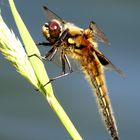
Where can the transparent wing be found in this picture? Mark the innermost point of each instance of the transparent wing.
(107, 63)
(98, 33)
(51, 15)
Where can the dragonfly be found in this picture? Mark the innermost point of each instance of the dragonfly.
(81, 45)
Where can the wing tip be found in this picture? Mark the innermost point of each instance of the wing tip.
(121, 72)
(110, 66)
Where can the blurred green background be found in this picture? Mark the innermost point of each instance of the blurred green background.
(25, 114)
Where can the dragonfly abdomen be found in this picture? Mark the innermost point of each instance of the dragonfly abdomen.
(95, 76)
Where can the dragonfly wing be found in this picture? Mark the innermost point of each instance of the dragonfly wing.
(107, 63)
(50, 15)
(98, 33)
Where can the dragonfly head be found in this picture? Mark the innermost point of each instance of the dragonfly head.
(52, 30)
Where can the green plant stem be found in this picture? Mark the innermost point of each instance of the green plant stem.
(41, 75)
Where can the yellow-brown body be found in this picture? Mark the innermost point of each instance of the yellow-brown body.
(94, 72)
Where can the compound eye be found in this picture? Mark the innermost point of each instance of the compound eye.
(54, 29)
(53, 25)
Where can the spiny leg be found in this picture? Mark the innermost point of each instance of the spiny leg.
(68, 63)
(39, 44)
(64, 60)
(50, 54)
(43, 44)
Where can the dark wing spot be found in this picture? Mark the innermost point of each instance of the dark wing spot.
(103, 60)
(108, 64)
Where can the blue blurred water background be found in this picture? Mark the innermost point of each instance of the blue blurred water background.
(25, 114)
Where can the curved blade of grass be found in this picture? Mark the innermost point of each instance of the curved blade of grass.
(31, 49)
(41, 75)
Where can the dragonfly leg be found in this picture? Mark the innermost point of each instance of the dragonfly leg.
(36, 55)
(50, 54)
(39, 44)
(64, 60)
(57, 77)
(43, 44)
